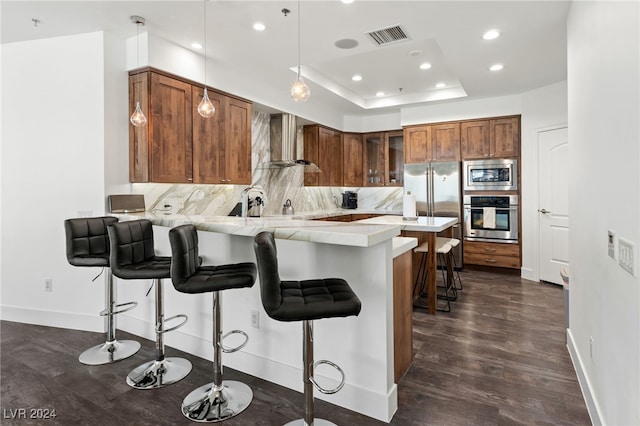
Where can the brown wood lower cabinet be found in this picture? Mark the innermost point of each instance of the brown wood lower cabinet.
(492, 254)
(402, 315)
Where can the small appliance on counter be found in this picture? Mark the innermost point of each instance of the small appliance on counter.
(287, 208)
(349, 200)
(126, 203)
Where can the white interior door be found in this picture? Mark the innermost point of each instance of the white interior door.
(553, 207)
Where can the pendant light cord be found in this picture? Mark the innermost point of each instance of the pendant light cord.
(299, 39)
(205, 44)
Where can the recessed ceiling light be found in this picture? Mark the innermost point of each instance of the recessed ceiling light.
(356, 77)
(346, 43)
(440, 85)
(196, 45)
(425, 66)
(416, 52)
(259, 26)
(347, 1)
(496, 67)
(379, 94)
(491, 34)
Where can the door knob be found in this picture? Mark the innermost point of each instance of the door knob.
(544, 211)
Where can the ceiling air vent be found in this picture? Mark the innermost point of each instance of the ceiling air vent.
(388, 35)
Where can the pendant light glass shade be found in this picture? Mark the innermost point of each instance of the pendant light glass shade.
(300, 92)
(137, 118)
(206, 108)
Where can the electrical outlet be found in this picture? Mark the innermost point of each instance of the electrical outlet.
(611, 243)
(627, 256)
(255, 319)
(48, 284)
(85, 213)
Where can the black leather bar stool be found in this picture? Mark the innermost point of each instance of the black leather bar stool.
(133, 258)
(220, 399)
(304, 301)
(87, 244)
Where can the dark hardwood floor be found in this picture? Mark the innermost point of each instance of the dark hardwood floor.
(499, 358)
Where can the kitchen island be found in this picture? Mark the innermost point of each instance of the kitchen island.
(363, 346)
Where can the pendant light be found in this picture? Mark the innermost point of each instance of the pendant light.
(205, 108)
(137, 118)
(299, 91)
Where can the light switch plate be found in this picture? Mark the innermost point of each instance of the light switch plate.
(611, 243)
(627, 256)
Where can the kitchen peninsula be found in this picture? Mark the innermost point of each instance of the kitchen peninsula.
(363, 346)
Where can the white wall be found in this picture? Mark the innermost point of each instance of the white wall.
(542, 109)
(604, 99)
(52, 167)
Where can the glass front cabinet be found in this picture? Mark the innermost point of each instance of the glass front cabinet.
(384, 159)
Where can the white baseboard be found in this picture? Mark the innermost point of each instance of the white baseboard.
(71, 320)
(528, 274)
(583, 380)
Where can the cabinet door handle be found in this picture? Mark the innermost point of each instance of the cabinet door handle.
(490, 260)
(489, 249)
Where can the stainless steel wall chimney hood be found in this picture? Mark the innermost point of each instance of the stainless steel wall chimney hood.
(283, 142)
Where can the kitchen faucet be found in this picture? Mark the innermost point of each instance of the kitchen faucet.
(251, 206)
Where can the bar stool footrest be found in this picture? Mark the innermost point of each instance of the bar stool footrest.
(162, 330)
(228, 350)
(316, 422)
(131, 305)
(320, 388)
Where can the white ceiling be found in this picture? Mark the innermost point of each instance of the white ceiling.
(448, 34)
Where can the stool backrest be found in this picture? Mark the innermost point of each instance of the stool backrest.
(87, 240)
(184, 253)
(131, 242)
(267, 258)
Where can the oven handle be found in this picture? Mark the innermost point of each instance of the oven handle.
(469, 207)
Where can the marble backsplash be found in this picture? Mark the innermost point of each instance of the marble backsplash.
(278, 185)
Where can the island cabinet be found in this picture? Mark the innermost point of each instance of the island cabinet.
(323, 146)
(434, 142)
(492, 254)
(353, 157)
(491, 138)
(178, 145)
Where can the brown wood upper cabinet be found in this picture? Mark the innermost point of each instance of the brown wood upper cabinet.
(179, 146)
(434, 142)
(323, 146)
(492, 138)
(384, 159)
(352, 155)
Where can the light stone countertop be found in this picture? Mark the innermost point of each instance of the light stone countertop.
(355, 234)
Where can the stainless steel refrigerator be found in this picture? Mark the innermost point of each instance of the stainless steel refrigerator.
(437, 190)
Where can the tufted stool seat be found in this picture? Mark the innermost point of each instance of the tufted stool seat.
(87, 243)
(133, 258)
(304, 301)
(220, 399)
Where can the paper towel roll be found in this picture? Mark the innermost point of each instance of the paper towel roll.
(409, 206)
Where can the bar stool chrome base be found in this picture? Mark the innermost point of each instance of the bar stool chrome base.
(316, 422)
(210, 404)
(156, 374)
(109, 352)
